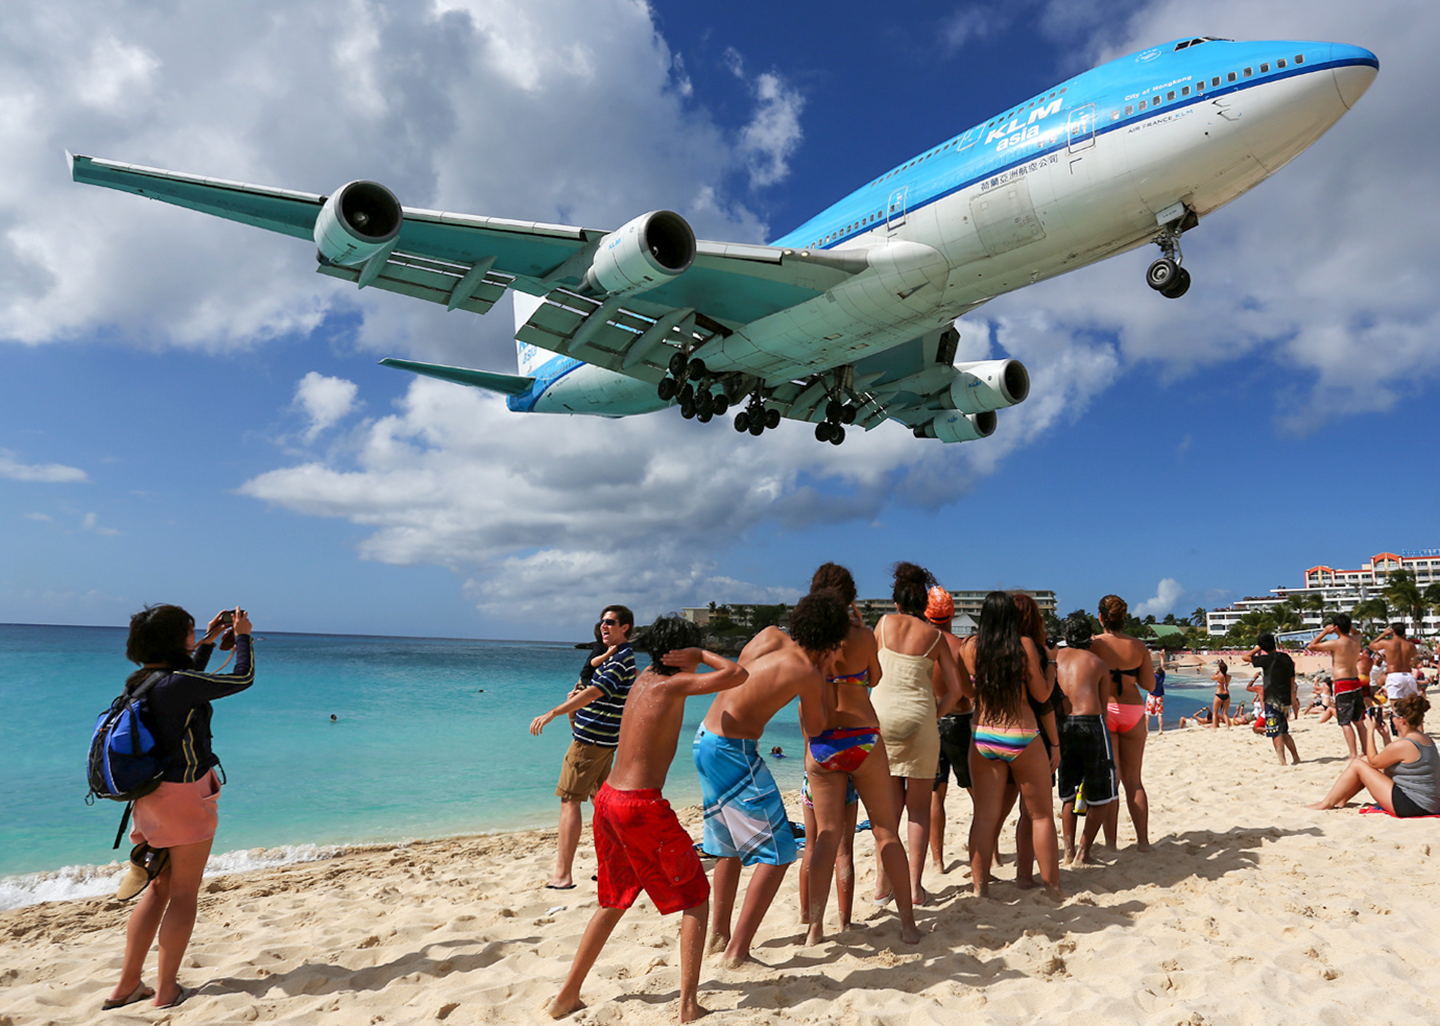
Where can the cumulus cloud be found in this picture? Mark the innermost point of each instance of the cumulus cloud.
(1167, 594)
(774, 132)
(326, 401)
(91, 522)
(48, 473)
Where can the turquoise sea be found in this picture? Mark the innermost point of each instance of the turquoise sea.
(431, 739)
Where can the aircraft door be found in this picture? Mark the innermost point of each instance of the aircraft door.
(895, 209)
(1082, 128)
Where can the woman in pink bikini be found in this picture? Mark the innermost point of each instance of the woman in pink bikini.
(850, 750)
(1134, 677)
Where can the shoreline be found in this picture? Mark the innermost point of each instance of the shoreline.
(1250, 908)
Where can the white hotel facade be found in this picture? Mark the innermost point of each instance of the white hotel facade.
(1342, 589)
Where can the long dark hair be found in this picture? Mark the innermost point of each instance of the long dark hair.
(158, 635)
(1000, 668)
(912, 588)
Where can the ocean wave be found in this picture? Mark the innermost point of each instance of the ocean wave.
(71, 882)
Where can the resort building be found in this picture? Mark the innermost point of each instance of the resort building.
(967, 610)
(1342, 590)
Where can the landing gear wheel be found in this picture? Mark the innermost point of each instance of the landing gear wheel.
(823, 431)
(687, 394)
(687, 408)
(705, 404)
(772, 419)
(1179, 286)
(1161, 274)
(757, 427)
(834, 410)
(697, 368)
(847, 413)
(703, 416)
(837, 435)
(742, 422)
(666, 389)
(722, 405)
(677, 365)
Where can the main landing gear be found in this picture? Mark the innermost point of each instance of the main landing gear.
(837, 415)
(1165, 275)
(690, 382)
(755, 418)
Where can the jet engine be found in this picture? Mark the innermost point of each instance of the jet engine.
(642, 254)
(958, 427)
(989, 385)
(357, 221)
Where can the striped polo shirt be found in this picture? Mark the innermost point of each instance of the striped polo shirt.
(599, 722)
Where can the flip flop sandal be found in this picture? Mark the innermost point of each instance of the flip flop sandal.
(146, 863)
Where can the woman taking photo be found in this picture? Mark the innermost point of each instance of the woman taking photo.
(1007, 747)
(1134, 677)
(909, 703)
(850, 750)
(175, 824)
(1404, 776)
(1221, 709)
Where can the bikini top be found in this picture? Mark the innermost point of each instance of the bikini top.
(859, 680)
(1117, 675)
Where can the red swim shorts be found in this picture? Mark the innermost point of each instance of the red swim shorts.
(639, 844)
(178, 813)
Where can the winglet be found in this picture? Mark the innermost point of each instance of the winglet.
(506, 384)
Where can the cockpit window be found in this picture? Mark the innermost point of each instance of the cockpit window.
(1192, 42)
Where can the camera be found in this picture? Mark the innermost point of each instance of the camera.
(227, 618)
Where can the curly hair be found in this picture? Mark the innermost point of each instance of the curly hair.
(1412, 709)
(158, 635)
(912, 588)
(820, 622)
(1077, 630)
(1112, 612)
(1000, 670)
(837, 579)
(667, 634)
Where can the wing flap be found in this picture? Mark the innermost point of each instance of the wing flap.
(435, 281)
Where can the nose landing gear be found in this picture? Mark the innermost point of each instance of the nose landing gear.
(1165, 275)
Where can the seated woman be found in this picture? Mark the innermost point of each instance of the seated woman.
(1404, 776)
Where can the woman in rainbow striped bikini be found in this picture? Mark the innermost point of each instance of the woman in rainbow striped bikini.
(1007, 742)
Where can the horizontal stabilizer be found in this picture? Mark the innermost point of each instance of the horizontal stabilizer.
(508, 384)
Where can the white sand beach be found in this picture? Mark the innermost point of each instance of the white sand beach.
(1250, 909)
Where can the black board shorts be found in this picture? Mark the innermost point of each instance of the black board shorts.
(1086, 758)
(956, 731)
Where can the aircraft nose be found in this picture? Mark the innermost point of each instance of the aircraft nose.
(1354, 68)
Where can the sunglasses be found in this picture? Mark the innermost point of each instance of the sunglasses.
(609, 623)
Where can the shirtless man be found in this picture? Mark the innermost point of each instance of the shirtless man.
(1086, 759)
(1398, 653)
(745, 819)
(638, 840)
(1349, 687)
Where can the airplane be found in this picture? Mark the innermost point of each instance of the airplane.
(850, 318)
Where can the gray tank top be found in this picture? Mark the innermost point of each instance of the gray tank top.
(1420, 780)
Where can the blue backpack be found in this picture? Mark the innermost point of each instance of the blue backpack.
(125, 762)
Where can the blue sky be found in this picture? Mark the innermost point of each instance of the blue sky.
(188, 413)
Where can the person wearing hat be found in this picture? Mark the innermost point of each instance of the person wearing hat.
(955, 726)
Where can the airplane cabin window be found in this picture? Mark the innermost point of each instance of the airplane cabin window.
(1170, 95)
(1299, 58)
(1215, 81)
(1280, 63)
(1230, 76)
(1129, 109)
(1142, 104)
(1185, 91)
(1200, 86)
(1249, 72)
(1264, 68)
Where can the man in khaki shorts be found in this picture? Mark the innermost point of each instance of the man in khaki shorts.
(595, 734)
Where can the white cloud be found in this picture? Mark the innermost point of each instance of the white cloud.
(326, 401)
(48, 473)
(1167, 594)
(42, 517)
(773, 133)
(974, 22)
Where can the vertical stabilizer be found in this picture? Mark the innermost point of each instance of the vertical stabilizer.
(527, 357)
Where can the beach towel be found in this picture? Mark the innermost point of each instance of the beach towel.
(1372, 808)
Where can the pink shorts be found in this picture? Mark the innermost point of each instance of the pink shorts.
(178, 813)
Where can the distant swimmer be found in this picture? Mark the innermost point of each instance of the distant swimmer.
(334, 718)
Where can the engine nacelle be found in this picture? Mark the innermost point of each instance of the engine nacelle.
(958, 427)
(989, 385)
(356, 222)
(642, 254)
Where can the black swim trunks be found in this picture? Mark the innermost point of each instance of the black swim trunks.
(1349, 707)
(1086, 757)
(956, 730)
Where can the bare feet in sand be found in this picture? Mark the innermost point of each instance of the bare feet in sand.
(910, 934)
(716, 943)
(1027, 884)
(563, 1006)
(691, 1010)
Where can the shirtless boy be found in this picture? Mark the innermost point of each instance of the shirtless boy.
(1086, 759)
(745, 819)
(1349, 687)
(638, 840)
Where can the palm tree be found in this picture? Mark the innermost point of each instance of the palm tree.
(1403, 594)
(1316, 603)
(1369, 610)
(1200, 617)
